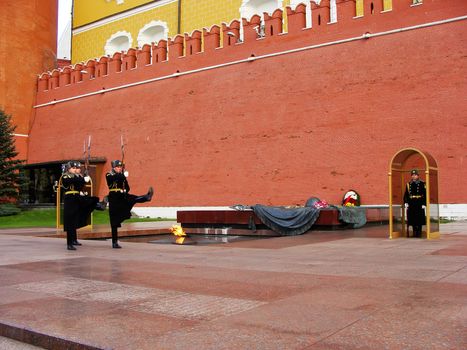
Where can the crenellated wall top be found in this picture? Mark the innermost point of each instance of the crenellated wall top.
(289, 30)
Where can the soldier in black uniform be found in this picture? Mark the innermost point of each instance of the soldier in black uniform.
(77, 205)
(120, 200)
(415, 200)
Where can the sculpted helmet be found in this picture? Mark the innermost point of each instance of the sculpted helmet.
(115, 163)
(351, 199)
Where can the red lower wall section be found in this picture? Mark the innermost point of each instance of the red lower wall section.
(28, 45)
(282, 129)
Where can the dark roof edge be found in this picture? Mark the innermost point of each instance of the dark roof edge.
(92, 160)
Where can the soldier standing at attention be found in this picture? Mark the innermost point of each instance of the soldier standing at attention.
(415, 200)
(77, 205)
(120, 200)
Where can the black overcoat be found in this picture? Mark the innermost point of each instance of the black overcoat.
(415, 197)
(120, 200)
(76, 205)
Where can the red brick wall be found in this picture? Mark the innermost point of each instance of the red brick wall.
(281, 129)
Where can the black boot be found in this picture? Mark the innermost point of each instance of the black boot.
(75, 242)
(101, 205)
(150, 193)
(71, 236)
(417, 232)
(145, 198)
(115, 237)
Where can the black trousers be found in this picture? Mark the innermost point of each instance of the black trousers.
(71, 236)
(416, 218)
(120, 205)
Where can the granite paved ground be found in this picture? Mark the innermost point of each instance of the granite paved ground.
(349, 289)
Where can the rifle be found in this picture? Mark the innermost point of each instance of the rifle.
(87, 156)
(122, 147)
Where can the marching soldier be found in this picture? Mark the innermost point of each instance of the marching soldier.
(415, 200)
(120, 200)
(77, 204)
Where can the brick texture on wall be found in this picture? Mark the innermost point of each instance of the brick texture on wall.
(281, 129)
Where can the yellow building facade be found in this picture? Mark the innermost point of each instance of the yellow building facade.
(102, 27)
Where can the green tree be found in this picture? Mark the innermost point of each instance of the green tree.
(10, 179)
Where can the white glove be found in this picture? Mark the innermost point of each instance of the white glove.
(125, 173)
(87, 179)
(406, 205)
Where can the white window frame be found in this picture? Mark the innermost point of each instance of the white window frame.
(109, 48)
(246, 12)
(149, 25)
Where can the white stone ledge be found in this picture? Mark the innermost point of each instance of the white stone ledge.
(448, 211)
